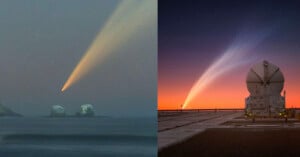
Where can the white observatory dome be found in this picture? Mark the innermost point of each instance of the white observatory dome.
(87, 110)
(57, 110)
(265, 74)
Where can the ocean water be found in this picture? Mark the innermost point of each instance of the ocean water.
(77, 137)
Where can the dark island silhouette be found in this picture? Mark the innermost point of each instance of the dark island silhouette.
(6, 112)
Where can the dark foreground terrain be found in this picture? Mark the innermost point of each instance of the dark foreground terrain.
(241, 142)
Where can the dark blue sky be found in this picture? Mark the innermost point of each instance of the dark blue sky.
(42, 41)
(192, 30)
(194, 33)
(192, 23)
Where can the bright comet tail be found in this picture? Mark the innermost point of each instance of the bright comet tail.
(233, 57)
(129, 18)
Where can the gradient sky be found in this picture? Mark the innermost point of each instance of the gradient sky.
(42, 41)
(192, 34)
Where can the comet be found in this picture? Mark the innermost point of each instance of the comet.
(235, 56)
(130, 18)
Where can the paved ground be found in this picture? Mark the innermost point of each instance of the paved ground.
(257, 141)
(176, 126)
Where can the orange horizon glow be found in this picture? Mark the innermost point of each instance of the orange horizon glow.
(228, 91)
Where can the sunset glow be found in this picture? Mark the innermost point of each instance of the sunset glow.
(206, 49)
(235, 56)
(228, 91)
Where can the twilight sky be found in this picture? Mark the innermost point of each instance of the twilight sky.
(42, 41)
(193, 34)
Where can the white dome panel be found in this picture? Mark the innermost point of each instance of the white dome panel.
(265, 74)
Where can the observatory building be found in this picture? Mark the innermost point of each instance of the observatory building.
(86, 110)
(265, 83)
(58, 111)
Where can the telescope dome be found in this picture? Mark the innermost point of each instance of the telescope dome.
(265, 74)
(86, 110)
(57, 111)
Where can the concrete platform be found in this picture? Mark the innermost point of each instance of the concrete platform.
(176, 126)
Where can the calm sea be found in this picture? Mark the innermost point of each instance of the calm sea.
(78, 137)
